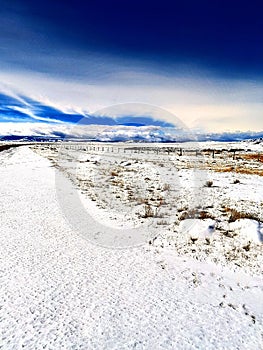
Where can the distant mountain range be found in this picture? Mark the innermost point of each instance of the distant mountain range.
(25, 119)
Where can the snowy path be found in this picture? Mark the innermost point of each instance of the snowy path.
(60, 292)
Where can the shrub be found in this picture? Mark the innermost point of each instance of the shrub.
(142, 201)
(196, 214)
(166, 187)
(114, 173)
(205, 215)
(148, 211)
(209, 183)
(236, 215)
(190, 214)
(162, 222)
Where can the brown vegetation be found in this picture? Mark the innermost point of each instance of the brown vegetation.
(238, 169)
(255, 156)
(196, 214)
(236, 215)
(114, 173)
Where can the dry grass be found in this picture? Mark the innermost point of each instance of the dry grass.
(223, 169)
(236, 215)
(142, 201)
(196, 214)
(148, 212)
(180, 209)
(118, 183)
(151, 212)
(219, 164)
(190, 214)
(166, 187)
(162, 222)
(239, 170)
(161, 201)
(254, 156)
(205, 215)
(114, 173)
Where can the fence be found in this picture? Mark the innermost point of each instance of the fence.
(233, 154)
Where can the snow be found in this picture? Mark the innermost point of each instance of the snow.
(58, 290)
(196, 228)
(249, 230)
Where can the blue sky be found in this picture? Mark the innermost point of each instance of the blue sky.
(200, 60)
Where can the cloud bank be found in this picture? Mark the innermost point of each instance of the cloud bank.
(22, 109)
(25, 118)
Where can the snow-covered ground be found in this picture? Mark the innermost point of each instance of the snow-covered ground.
(179, 200)
(196, 284)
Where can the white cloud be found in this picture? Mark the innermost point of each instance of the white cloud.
(100, 132)
(28, 112)
(198, 100)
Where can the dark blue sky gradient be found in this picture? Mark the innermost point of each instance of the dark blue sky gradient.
(225, 37)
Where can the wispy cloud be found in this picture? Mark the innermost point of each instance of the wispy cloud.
(20, 108)
(196, 101)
